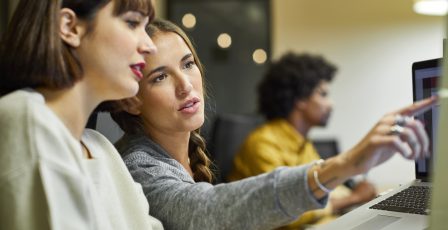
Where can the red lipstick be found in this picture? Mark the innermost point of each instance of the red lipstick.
(137, 69)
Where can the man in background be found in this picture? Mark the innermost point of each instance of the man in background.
(293, 97)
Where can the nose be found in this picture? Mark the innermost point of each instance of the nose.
(146, 45)
(330, 104)
(184, 85)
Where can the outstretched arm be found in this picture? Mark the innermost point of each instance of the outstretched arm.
(262, 202)
(394, 133)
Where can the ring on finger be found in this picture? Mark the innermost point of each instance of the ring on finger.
(402, 120)
(395, 130)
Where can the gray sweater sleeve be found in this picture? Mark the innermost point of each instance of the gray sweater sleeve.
(262, 202)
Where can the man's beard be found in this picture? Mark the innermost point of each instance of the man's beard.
(324, 121)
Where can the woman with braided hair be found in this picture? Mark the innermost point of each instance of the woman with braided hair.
(164, 152)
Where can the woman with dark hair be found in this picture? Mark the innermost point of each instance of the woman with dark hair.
(164, 152)
(59, 59)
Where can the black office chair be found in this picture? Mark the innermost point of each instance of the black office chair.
(91, 123)
(228, 133)
(327, 147)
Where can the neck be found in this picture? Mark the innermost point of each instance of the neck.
(299, 123)
(176, 144)
(72, 105)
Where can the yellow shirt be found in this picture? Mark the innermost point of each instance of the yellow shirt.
(274, 144)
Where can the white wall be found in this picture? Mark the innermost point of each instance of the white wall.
(374, 44)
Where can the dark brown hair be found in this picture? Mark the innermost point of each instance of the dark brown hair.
(132, 124)
(32, 54)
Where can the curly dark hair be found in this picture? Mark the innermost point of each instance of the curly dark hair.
(293, 77)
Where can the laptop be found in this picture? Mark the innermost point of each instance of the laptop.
(406, 207)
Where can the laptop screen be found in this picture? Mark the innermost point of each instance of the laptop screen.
(426, 74)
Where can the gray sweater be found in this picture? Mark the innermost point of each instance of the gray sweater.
(262, 202)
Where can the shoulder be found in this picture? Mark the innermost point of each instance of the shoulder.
(26, 118)
(18, 105)
(99, 145)
(93, 135)
(149, 160)
(146, 167)
(276, 131)
(145, 158)
(139, 150)
(17, 144)
(267, 132)
(25, 111)
(31, 133)
(20, 96)
(131, 146)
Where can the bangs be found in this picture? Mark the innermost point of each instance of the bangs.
(143, 6)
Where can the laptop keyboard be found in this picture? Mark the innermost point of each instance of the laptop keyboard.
(413, 200)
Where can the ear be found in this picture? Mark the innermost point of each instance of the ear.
(301, 105)
(70, 28)
(131, 105)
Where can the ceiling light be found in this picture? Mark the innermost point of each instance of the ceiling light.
(189, 20)
(224, 40)
(431, 7)
(259, 56)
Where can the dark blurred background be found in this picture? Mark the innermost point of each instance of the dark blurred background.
(231, 72)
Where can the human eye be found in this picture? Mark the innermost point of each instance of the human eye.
(189, 64)
(133, 19)
(324, 93)
(133, 24)
(159, 78)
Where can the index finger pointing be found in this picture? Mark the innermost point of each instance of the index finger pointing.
(418, 107)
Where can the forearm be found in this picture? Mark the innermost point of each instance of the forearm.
(266, 201)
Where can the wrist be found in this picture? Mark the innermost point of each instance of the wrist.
(325, 176)
(322, 187)
(314, 188)
(350, 163)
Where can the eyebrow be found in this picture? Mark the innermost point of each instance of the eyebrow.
(186, 57)
(137, 12)
(160, 68)
(156, 70)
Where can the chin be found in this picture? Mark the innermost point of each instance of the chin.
(323, 123)
(130, 91)
(197, 123)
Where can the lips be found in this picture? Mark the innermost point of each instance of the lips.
(137, 69)
(190, 106)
